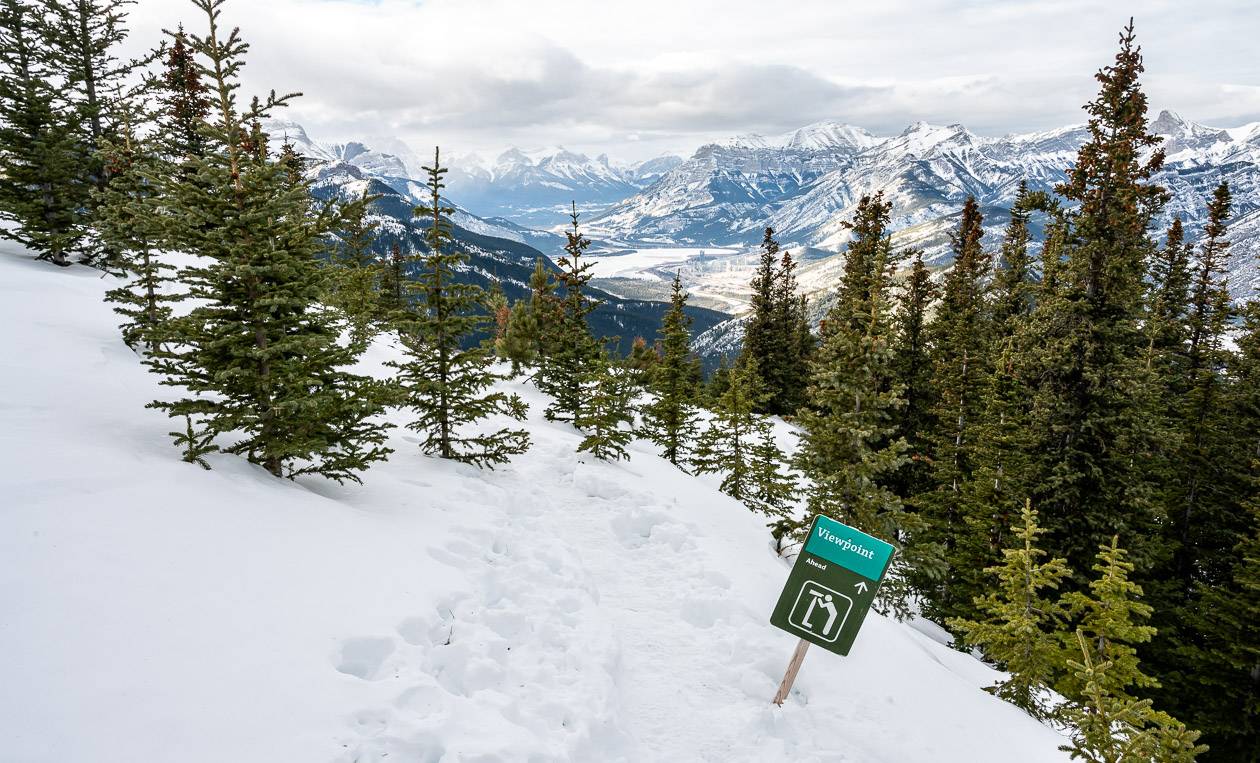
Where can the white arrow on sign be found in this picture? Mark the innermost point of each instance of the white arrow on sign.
(861, 586)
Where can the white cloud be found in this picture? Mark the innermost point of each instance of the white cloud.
(482, 74)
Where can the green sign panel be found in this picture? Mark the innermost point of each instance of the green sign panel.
(832, 585)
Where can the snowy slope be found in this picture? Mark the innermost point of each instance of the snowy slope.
(551, 610)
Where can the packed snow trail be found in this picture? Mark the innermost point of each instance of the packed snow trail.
(558, 608)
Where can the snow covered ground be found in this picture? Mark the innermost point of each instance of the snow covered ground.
(555, 609)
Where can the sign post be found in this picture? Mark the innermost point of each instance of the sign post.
(829, 591)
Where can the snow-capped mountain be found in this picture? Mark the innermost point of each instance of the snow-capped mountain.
(806, 184)
(500, 251)
(536, 187)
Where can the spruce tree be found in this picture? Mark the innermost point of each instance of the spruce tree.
(777, 332)
(442, 379)
(128, 222)
(606, 415)
(353, 270)
(1110, 727)
(1168, 298)
(184, 102)
(41, 190)
(394, 300)
(912, 368)
(1014, 290)
(518, 343)
(642, 361)
(773, 489)
(669, 419)
(1092, 408)
(847, 451)
(258, 358)
(725, 447)
(1018, 619)
(960, 337)
(571, 351)
(719, 382)
(81, 39)
(544, 307)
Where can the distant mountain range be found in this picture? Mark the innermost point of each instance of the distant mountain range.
(807, 182)
(500, 251)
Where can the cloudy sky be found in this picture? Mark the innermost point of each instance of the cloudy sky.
(635, 79)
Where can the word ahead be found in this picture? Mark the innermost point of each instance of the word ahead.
(832, 585)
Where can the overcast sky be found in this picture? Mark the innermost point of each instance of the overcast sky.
(635, 79)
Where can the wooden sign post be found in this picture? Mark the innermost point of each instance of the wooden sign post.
(794, 667)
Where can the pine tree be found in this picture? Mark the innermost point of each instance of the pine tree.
(725, 447)
(81, 38)
(1169, 296)
(960, 338)
(571, 351)
(394, 300)
(353, 267)
(847, 450)
(1019, 620)
(1013, 290)
(773, 489)
(128, 222)
(258, 357)
(544, 307)
(1111, 618)
(442, 380)
(606, 415)
(1092, 409)
(518, 343)
(184, 103)
(41, 192)
(912, 368)
(777, 332)
(1116, 728)
(669, 419)
(642, 361)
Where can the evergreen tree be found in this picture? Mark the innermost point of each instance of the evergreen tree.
(544, 307)
(1116, 728)
(518, 343)
(1019, 620)
(669, 419)
(642, 361)
(777, 333)
(1111, 618)
(1091, 410)
(1169, 296)
(1013, 289)
(258, 357)
(846, 448)
(81, 38)
(725, 447)
(41, 192)
(571, 351)
(960, 336)
(128, 222)
(394, 300)
(606, 415)
(184, 103)
(912, 368)
(353, 272)
(444, 381)
(718, 382)
(773, 489)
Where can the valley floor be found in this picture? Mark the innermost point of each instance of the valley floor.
(555, 609)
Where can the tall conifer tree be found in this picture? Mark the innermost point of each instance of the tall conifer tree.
(444, 380)
(41, 190)
(669, 420)
(571, 351)
(258, 357)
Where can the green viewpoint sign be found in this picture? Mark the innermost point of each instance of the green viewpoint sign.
(832, 585)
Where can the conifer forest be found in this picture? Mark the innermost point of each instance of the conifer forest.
(1040, 385)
